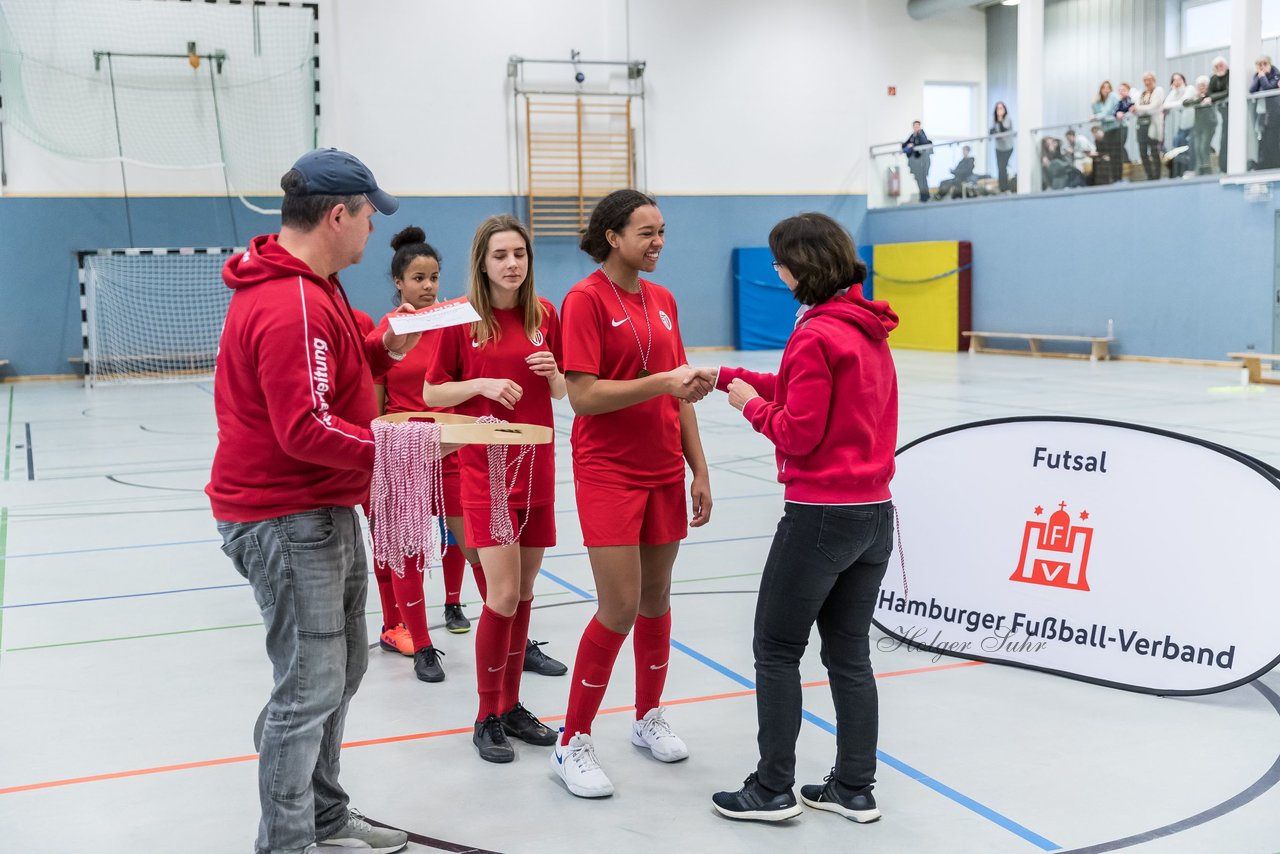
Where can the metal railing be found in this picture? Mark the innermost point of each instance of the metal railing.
(942, 171)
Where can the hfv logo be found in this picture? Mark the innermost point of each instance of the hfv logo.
(1055, 554)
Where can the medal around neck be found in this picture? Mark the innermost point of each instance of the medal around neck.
(648, 327)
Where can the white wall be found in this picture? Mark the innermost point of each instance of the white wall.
(744, 96)
(906, 53)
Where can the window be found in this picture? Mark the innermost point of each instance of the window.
(948, 110)
(1206, 24)
(949, 113)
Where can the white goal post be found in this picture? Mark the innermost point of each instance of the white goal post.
(152, 315)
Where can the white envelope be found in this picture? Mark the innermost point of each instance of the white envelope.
(451, 313)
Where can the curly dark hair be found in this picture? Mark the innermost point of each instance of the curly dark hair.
(612, 213)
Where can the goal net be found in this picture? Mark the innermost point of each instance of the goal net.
(152, 315)
(212, 85)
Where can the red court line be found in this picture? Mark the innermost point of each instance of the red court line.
(418, 736)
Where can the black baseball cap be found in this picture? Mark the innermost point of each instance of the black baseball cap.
(330, 172)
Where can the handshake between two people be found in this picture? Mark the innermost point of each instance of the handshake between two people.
(692, 384)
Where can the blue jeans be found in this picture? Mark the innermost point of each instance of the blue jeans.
(310, 579)
(825, 565)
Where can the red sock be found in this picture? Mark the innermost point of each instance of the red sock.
(493, 638)
(409, 596)
(454, 566)
(596, 654)
(478, 571)
(651, 639)
(386, 592)
(515, 655)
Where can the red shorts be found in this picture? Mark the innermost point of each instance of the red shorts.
(452, 483)
(632, 515)
(539, 526)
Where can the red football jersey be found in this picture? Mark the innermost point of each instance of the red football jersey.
(638, 445)
(456, 356)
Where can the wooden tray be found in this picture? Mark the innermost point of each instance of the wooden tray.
(465, 430)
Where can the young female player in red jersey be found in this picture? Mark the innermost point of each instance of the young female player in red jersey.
(415, 270)
(506, 365)
(635, 429)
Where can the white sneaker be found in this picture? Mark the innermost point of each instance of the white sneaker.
(577, 765)
(653, 731)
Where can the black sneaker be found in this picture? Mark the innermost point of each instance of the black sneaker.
(491, 742)
(521, 723)
(426, 663)
(854, 804)
(456, 621)
(756, 803)
(537, 661)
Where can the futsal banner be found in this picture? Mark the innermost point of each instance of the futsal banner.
(1101, 551)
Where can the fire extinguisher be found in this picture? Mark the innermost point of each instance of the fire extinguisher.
(895, 182)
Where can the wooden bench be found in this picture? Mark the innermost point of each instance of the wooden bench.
(1252, 363)
(1098, 344)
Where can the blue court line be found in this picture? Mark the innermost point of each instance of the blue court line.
(113, 549)
(216, 540)
(577, 591)
(893, 762)
(121, 596)
(4, 607)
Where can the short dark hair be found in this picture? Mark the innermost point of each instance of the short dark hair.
(819, 254)
(304, 212)
(612, 213)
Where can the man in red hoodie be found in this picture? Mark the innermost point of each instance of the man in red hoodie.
(832, 413)
(294, 398)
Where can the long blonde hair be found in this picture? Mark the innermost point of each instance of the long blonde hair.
(478, 281)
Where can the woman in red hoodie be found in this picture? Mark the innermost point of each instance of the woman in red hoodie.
(832, 412)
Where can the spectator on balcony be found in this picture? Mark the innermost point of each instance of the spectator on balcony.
(1124, 115)
(1110, 160)
(1219, 85)
(1267, 80)
(1054, 165)
(918, 149)
(1150, 111)
(1206, 122)
(1177, 124)
(1078, 148)
(1002, 124)
(961, 174)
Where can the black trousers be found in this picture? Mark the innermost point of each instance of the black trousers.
(1149, 151)
(1222, 140)
(825, 566)
(1002, 167)
(1269, 144)
(1113, 146)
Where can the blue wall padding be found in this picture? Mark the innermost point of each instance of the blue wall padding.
(40, 299)
(764, 309)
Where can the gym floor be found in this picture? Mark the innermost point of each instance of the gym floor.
(132, 665)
